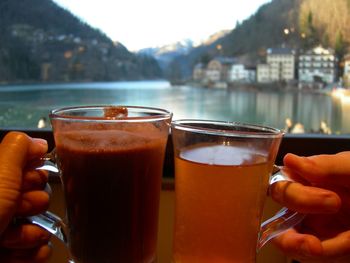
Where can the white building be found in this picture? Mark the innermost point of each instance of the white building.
(280, 66)
(282, 63)
(347, 64)
(346, 74)
(218, 69)
(239, 73)
(198, 72)
(263, 73)
(317, 64)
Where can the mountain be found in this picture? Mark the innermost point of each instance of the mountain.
(40, 41)
(308, 23)
(165, 54)
(248, 40)
(214, 37)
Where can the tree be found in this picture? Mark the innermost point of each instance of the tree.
(340, 45)
(308, 32)
(340, 51)
(205, 58)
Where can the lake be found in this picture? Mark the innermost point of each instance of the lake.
(21, 106)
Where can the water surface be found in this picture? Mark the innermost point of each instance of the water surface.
(21, 106)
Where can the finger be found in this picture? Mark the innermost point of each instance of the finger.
(13, 154)
(37, 148)
(298, 245)
(43, 253)
(305, 199)
(33, 202)
(322, 169)
(34, 180)
(338, 246)
(26, 236)
(15, 149)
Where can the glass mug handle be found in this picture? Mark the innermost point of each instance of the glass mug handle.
(283, 220)
(47, 220)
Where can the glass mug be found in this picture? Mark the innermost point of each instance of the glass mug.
(110, 160)
(222, 176)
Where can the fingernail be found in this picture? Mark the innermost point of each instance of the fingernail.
(40, 141)
(331, 204)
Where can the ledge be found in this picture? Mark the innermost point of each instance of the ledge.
(301, 144)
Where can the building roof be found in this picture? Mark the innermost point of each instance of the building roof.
(199, 66)
(319, 50)
(280, 51)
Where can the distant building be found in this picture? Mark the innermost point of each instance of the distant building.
(251, 72)
(263, 73)
(45, 71)
(198, 72)
(240, 73)
(279, 66)
(317, 65)
(346, 74)
(282, 62)
(218, 69)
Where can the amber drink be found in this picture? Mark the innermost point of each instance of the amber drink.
(221, 183)
(226, 198)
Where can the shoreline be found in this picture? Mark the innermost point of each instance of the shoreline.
(257, 87)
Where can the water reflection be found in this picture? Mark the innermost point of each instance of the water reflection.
(23, 107)
(342, 98)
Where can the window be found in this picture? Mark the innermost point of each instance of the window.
(56, 53)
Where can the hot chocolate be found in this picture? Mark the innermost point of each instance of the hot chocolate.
(112, 181)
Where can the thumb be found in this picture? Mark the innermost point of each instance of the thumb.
(14, 151)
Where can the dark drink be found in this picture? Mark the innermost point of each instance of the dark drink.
(112, 183)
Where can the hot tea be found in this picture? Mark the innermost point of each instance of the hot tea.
(220, 192)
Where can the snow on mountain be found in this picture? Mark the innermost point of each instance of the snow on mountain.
(165, 54)
(180, 47)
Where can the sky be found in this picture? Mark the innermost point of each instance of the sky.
(154, 23)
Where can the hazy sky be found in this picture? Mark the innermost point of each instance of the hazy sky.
(151, 23)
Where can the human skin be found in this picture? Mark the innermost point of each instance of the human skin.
(322, 192)
(22, 193)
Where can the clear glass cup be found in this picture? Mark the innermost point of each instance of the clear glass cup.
(110, 160)
(222, 175)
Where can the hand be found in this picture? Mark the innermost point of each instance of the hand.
(324, 195)
(22, 194)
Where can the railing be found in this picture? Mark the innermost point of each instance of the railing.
(301, 144)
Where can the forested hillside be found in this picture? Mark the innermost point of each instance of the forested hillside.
(326, 22)
(41, 41)
(309, 23)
